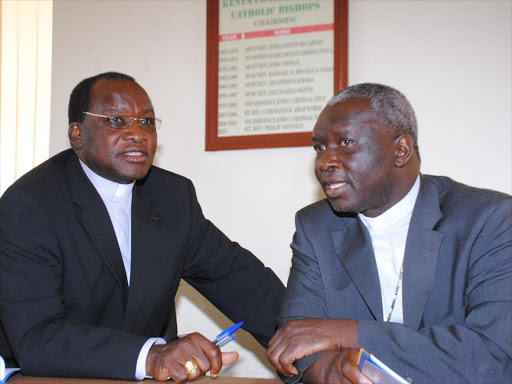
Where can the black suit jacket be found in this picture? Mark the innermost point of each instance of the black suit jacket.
(64, 300)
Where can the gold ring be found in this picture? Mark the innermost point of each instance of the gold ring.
(191, 367)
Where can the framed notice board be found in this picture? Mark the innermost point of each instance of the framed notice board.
(271, 67)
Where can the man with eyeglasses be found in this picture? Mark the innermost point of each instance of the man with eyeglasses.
(94, 242)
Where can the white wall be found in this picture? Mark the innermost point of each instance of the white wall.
(451, 58)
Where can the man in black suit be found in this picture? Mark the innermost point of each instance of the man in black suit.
(94, 242)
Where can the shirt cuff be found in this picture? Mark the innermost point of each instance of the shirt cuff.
(140, 370)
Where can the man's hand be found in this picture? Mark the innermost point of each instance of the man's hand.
(166, 360)
(336, 368)
(300, 338)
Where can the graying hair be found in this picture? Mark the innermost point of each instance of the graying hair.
(389, 104)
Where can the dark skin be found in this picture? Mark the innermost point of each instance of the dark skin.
(124, 156)
(363, 167)
(120, 155)
(169, 359)
(299, 338)
(335, 367)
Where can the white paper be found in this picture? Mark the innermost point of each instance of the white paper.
(379, 373)
(5, 373)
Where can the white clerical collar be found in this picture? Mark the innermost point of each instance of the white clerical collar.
(400, 211)
(107, 187)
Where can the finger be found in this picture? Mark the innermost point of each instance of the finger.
(229, 357)
(195, 373)
(198, 348)
(203, 363)
(288, 332)
(277, 345)
(354, 376)
(279, 361)
(280, 334)
(213, 355)
(178, 375)
(274, 340)
(350, 368)
(292, 349)
(280, 358)
(273, 356)
(160, 375)
(362, 379)
(274, 346)
(288, 357)
(187, 349)
(161, 372)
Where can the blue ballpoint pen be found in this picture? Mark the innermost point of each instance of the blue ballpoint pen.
(225, 340)
(227, 335)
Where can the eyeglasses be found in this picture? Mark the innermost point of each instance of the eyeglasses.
(124, 122)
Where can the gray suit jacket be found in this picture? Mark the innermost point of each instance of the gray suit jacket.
(457, 285)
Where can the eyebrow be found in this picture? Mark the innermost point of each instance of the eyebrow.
(115, 110)
(148, 110)
(339, 129)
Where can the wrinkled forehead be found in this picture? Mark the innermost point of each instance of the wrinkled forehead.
(356, 106)
(341, 114)
(353, 120)
(119, 95)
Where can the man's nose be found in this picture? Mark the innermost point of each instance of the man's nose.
(328, 160)
(134, 132)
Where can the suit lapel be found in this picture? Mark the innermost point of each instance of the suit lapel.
(94, 217)
(354, 248)
(421, 252)
(146, 228)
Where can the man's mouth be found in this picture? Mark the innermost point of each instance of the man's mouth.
(334, 188)
(134, 156)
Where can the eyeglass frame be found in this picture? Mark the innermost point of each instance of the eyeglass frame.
(157, 125)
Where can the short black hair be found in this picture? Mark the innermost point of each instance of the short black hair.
(80, 98)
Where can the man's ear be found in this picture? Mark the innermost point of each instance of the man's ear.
(75, 135)
(404, 150)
